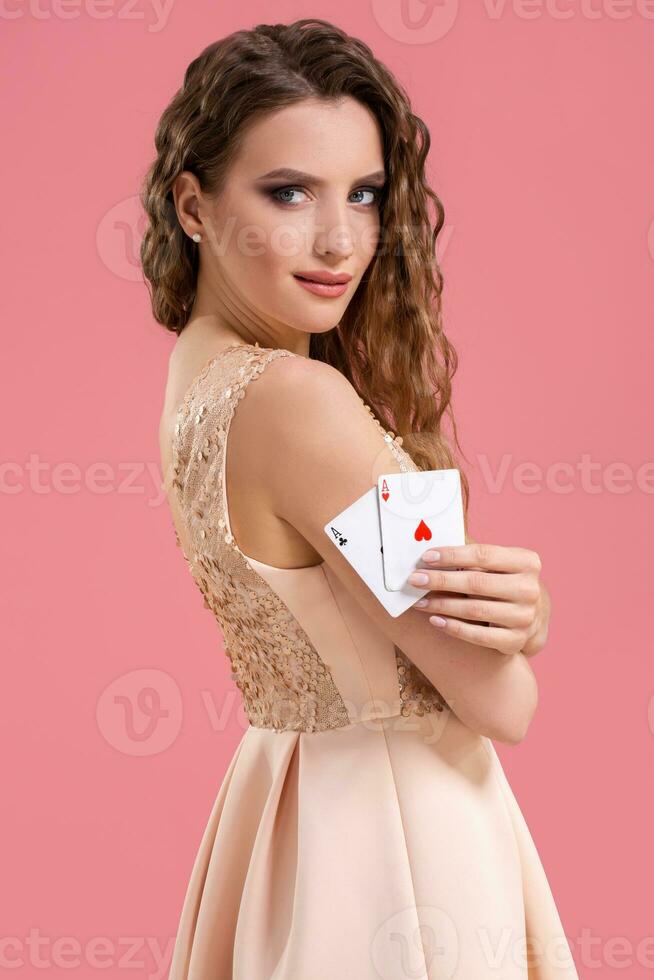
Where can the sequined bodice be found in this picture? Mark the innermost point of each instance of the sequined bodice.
(285, 682)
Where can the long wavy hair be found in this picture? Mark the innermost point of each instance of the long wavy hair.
(390, 342)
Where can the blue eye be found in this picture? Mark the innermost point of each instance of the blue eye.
(277, 191)
(285, 190)
(375, 191)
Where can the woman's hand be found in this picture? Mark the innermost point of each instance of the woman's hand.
(538, 638)
(496, 598)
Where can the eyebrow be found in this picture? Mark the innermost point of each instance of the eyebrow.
(298, 176)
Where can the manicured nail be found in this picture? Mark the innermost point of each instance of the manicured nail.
(418, 578)
(438, 621)
(421, 603)
(431, 556)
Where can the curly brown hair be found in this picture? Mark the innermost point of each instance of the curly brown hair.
(390, 342)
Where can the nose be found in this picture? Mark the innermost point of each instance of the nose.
(333, 232)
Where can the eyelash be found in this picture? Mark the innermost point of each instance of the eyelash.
(377, 191)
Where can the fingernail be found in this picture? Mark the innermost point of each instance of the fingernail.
(431, 556)
(438, 620)
(421, 603)
(418, 578)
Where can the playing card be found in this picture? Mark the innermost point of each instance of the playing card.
(417, 510)
(356, 533)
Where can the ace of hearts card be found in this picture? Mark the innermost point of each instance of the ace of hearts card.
(417, 511)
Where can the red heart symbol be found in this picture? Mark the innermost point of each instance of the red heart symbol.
(422, 532)
(386, 495)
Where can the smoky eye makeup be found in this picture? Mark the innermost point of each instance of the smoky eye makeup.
(276, 194)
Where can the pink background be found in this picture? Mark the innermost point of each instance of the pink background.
(543, 155)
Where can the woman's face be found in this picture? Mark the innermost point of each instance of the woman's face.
(302, 198)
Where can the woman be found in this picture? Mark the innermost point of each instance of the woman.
(364, 827)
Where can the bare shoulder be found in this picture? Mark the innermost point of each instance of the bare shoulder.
(302, 378)
(306, 417)
(296, 391)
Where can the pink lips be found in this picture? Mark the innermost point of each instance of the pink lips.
(321, 275)
(325, 284)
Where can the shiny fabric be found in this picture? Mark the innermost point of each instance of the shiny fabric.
(361, 831)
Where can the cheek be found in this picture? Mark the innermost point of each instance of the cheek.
(264, 242)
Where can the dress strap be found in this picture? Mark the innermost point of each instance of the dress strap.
(200, 442)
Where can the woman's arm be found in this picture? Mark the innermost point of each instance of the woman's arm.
(316, 450)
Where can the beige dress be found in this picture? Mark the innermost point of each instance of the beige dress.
(361, 831)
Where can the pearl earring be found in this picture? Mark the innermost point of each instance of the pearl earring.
(197, 237)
